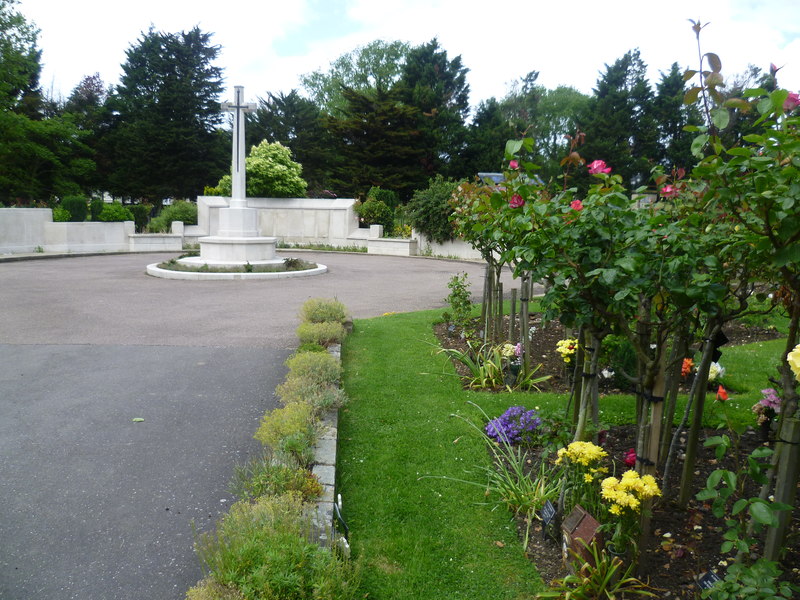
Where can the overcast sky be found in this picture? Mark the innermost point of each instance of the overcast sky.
(267, 44)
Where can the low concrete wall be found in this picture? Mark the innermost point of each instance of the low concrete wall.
(22, 229)
(452, 249)
(88, 237)
(155, 242)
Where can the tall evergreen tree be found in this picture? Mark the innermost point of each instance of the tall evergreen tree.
(165, 142)
(438, 89)
(486, 139)
(521, 104)
(378, 143)
(295, 122)
(672, 115)
(619, 124)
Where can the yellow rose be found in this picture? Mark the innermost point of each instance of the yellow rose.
(793, 359)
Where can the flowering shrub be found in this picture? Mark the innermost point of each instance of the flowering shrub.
(581, 453)
(566, 348)
(582, 468)
(514, 426)
(766, 408)
(625, 496)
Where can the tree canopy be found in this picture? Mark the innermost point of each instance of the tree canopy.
(164, 140)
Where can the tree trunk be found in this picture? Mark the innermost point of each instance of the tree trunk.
(712, 328)
(674, 366)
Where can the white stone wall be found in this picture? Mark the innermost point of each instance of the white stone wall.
(22, 229)
(291, 220)
(88, 237)
(455, 248)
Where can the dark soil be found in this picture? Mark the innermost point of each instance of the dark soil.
(684, 543)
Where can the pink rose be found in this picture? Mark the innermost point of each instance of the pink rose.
(598, 166)
(576, 205)
(516, 201)
(792, 101)
(669, 191)
(630, 458)
(512, 164)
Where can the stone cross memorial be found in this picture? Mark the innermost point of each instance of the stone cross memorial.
(238, 107)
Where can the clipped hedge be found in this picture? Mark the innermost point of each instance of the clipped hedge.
(115, 212)
(77, 206)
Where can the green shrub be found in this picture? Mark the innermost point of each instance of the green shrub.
(208, 589)
(388, 197)
(429, 210)
(95, 208)
(322, 310)
(141, 214)
(263, 549)
(618, 354)
(320, 333)
(271, 173)
(291, 420)
(319, 368)
(180, 210)
(375, 212)
(77, 206)
(321, 397)
(310, 347)
(267, 475)
(61, 215)
(115, 212)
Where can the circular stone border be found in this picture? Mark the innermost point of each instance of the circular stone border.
(156, 271)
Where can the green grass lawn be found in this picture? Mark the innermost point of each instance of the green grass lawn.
(435, 538)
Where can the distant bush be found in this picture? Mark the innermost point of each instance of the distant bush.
(141, 214)
(115, 212)
(271, 173)
(429, 209)
(322, 310)
(325, 334)
(95, 208)
(388, 197)
(180, 210)
(264, 549)
(375, 212)
(318, 367)
(77, 206)
(61, 215)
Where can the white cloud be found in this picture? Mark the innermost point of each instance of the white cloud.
(568, 43)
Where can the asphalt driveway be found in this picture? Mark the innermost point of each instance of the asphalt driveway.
(95, 506)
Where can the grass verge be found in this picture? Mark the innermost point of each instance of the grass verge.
(419, 538)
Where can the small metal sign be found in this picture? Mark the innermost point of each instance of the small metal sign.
(548, 512)
(548, 515)
(707, 581)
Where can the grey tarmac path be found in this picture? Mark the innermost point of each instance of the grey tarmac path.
(95, 506)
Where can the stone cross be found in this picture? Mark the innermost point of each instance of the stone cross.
(238, 107)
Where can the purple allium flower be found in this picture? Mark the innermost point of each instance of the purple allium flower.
(513, 426)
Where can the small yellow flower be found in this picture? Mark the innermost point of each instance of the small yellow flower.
(588, 478)
(793, 358)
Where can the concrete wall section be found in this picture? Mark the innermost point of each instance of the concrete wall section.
(452, 249)
(22, 229)
(88, 237)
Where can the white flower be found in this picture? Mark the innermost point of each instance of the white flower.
(716, 371)
(607, 373)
